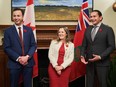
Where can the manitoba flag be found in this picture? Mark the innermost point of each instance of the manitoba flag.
(78, 68)
(29, 20)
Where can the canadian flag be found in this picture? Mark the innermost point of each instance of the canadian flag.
(29, 20)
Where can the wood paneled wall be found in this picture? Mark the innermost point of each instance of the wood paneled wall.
(4, 72)
(45, 33)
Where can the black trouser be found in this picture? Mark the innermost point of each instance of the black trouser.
(101, 72)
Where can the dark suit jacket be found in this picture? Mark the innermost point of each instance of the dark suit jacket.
(103, 44)
(13, 49)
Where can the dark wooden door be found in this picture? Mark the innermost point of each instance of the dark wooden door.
(4, 72)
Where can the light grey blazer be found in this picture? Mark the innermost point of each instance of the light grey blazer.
(54, 51)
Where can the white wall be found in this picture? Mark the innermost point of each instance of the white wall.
(109, 16)
(5, 12)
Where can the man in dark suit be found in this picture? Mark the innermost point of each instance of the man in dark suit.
(19, 45)
(98, 43)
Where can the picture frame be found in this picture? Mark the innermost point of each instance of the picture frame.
(54, 10)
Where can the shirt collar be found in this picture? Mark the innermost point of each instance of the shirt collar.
(18, 26)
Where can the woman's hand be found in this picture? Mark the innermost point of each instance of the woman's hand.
(59, 72)
(58, 69)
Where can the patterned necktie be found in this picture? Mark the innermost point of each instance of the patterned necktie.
(93, 33)
(21, 40)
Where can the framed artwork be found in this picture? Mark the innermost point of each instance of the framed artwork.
(54, 10)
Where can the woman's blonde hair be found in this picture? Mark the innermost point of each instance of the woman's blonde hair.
(67, 32)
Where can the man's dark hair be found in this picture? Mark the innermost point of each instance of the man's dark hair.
(99, 12)
(16, 9)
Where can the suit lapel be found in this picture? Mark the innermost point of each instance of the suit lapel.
(23, 35)
(16, 34)
(89, 33)
(98, 32)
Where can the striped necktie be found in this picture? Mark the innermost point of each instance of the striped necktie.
(93, 33)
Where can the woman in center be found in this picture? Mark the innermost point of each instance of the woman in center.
(61, 55)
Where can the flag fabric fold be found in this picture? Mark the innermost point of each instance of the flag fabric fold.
(29, 20)
(78, 68)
